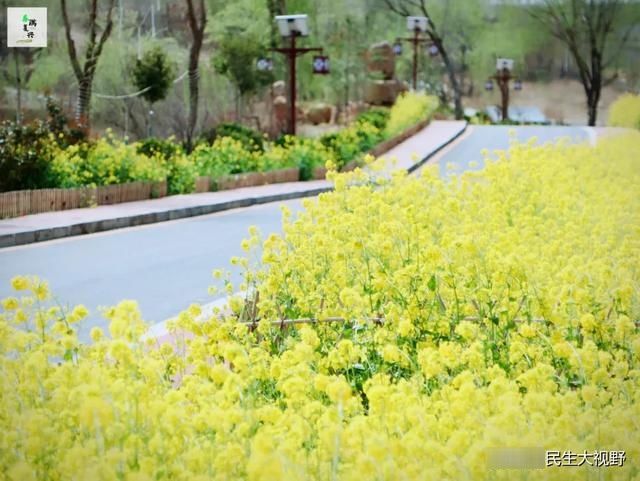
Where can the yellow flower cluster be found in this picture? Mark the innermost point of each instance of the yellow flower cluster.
(409, 109)
(625, 111)
(506, 302)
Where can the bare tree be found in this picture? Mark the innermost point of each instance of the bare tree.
(86, 73)
(406, 8)
(197, 24)
(586, 27)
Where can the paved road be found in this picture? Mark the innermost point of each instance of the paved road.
(480, 137)
(168, 266)
(165, 267)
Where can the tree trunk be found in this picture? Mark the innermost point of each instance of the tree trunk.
(18, 89)
(593, 98)
(194, 92)
(453, 79)
(83, 106)
(197, 26)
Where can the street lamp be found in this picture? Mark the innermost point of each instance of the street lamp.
(417, 25)
(264, 64)
(294, 26)
(504, 67)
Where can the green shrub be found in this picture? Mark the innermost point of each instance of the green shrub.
(225, 156)
(182, 172)
(409, 109)
(26, 151)
(108, 161)
(351, 142)
(377, 116)
(251, 140)
(307, 154)
(166, 148)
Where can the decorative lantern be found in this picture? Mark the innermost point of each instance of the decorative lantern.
(517, 85)
(321, 64)
(264, 64)
(488, 85)
(397, 48)
(433, 51)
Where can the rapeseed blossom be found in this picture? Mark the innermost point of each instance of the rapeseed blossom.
(499, 309)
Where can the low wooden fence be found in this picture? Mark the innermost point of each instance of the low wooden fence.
(25, 202)
(250, 179)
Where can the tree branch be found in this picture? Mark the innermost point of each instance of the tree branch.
(71, 46)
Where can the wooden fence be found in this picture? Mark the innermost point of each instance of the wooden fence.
(25, 202)
(250, 179)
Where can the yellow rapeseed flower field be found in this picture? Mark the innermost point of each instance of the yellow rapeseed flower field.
(496, 309)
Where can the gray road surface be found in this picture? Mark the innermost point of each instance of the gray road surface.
(167, 266)
(497, 138)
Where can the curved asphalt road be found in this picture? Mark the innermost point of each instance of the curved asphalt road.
(167, 266)
(492, 138)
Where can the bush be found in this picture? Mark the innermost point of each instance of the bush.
(349, 143)
(182, 173)
(307, 154)
(409, 109)
(250, 139)
(625, 112)
(377, 116)
(108, 161)
(26, 151)
(166, 148)
(225, 156)
(25, 156)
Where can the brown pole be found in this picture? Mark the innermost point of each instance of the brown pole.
(504, 88)
(292, 85)
(415, 58)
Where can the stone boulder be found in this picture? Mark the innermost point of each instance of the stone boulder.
(383, 92)
(320, 114)
(380, 58)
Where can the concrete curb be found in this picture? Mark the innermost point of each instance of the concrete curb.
(431, 154)
(51, 233)
(41, 235)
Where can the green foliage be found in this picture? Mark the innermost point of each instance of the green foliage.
(377, 116)
(307, 154)
(108, 161)
(26, 151)
(236, 58)
(250, 139)
(154, 71)
(225, 156)
(181, 173)
(166, 148)
(409, 109)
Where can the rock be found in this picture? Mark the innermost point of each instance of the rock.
(380, 58)
(383, 92)
(279, 89)
(319, 114)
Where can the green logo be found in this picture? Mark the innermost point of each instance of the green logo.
(25, 18)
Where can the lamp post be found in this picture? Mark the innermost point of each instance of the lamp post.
(417, 25)
(504, 67)
(293, 26)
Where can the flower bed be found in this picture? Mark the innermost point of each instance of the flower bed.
(125, 172)
(498, 309)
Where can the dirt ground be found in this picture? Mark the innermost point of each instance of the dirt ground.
(560, 100)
